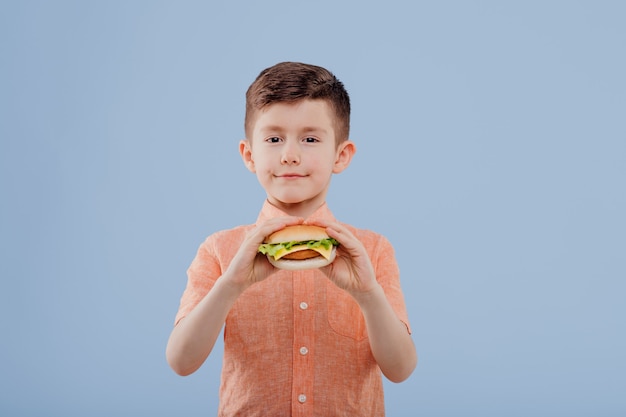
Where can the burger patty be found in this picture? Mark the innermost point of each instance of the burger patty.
(301, 254)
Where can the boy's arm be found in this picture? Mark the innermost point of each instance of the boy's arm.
(390, 341)
(193, 338)
(352, 271)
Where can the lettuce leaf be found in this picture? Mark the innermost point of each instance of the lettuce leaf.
(273, 248)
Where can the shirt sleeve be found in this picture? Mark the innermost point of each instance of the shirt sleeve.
(201, 276)
(388, 275)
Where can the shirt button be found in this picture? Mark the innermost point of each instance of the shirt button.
(302, 398)
(304, 350)
(303, 306)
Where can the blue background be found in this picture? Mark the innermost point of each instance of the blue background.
(491, 151)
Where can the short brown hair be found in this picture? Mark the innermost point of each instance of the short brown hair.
(293, 81)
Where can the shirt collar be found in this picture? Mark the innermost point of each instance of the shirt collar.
(269, 211)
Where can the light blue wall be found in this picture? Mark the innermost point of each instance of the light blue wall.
(491, 151)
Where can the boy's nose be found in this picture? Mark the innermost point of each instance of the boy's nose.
(290, 156)
(290, 159)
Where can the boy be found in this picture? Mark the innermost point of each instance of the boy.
(296, 343)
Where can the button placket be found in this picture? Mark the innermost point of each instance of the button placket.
(304, 284)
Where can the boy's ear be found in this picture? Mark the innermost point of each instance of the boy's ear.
(246, 154)
(345, 152)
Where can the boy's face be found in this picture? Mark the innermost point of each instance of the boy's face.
(293, 150)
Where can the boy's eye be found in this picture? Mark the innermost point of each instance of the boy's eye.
(273, 139)
(310, 140)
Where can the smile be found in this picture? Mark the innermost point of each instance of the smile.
(290, 176)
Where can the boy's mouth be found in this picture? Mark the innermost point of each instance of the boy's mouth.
(290, 175)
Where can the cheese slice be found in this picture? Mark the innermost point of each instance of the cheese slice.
(320, 249)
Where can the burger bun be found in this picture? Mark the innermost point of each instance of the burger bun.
(297, 233)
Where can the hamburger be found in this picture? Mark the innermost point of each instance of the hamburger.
(299, 247)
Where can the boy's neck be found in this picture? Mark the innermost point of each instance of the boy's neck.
(303, 209)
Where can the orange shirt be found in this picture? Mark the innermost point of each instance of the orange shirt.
(295, 344)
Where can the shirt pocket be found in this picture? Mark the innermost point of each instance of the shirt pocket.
(344, 314)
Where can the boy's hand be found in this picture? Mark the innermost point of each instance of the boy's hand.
(249, 266)
(352, 269)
